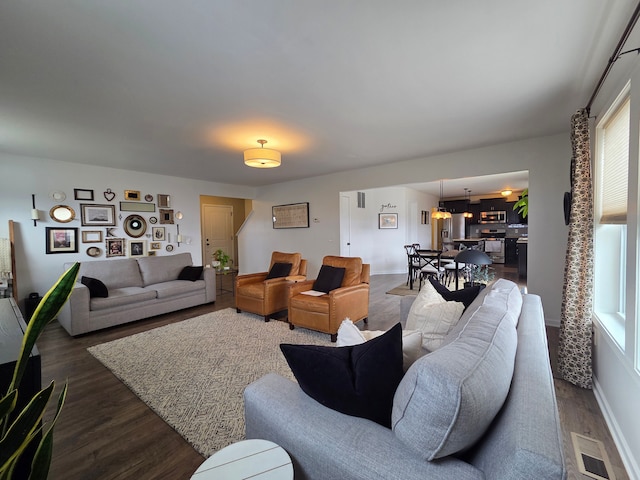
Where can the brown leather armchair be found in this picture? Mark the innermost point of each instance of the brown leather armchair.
(325, 313)
(256, 294)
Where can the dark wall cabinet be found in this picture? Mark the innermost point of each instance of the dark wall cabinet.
(456, 206)
(512, 215)
(522, 259)
(493, 204)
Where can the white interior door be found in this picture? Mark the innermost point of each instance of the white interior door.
(217, 229)
(345, 226)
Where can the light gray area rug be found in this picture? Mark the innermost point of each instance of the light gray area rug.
(193, 373)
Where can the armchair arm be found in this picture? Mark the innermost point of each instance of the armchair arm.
(250, 278)
(296, 288)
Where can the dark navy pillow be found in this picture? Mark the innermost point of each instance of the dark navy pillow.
(190, 273)
(466, 295)
(358, 380)
(329, 278)
(95, 286)
(279, 270)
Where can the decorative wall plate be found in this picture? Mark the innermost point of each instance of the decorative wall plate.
(153, 220)
(94, 251)
(135, 226)
(148, 197)
(58, 196)
(169, 248)
(62, 213)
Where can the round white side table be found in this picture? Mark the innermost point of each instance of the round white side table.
(255, 459)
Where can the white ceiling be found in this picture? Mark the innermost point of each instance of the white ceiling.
(183, 87)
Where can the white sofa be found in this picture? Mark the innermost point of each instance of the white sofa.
(138, 288)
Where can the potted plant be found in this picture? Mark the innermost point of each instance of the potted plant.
(522, 205)
(19, 430)
(222, 260)
(478, 275)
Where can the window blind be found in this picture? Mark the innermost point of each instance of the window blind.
(615, 167)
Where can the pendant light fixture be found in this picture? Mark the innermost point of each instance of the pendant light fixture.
(467, 197)
(441, 212)
(262, 157)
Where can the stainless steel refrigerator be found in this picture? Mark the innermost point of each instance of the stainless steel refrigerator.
(450, 229)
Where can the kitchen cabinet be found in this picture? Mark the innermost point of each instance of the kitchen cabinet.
(510, 252)
(493, 204)
(522, 259)
(455, 206)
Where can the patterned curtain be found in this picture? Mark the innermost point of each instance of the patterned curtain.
(574, 350)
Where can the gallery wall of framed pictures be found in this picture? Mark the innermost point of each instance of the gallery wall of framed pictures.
(129, 223)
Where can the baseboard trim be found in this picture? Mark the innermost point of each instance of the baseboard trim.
(630, 464)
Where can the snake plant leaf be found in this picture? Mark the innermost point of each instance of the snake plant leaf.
(42, 458)
(7, 404)
(24, 429)
(47, 310)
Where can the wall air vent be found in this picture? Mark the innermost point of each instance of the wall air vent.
(360, 199)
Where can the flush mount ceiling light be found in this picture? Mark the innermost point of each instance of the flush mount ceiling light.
(506, 193)
(262, 157)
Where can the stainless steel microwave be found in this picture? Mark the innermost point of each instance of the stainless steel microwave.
(493, 216)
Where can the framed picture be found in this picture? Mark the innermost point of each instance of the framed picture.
(387, 220)
(295, 215)
(166, 216)
(91, 236)
(158, 234)
(424, 217)
(137, 207)
(62, 240)
(116, 247)
(132, 195)
(164, 201)
(98, 215)
(151, 253)
(137, 248)
(82, 194)
(155, 246)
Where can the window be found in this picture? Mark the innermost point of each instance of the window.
(611, 185)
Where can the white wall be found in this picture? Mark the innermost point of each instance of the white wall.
(547, 159)
(22, 176)
(384, 248)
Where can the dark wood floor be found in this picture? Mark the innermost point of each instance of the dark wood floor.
(106, 432)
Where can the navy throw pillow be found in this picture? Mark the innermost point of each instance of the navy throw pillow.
(190, 273)
(329, 278)
(279, 270)
(358, 380)
(95, 286)
(466, 295)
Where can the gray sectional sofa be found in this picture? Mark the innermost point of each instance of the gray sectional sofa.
(137, 288)
(482, 406)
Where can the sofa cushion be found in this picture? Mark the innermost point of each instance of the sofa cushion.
(448, 399)
(278, 270)
(465, 295)
(190, 273)
(122, 296)
(176, 287)
(95, 286)
(159, 269)
(357, 380)
(119, 273)
(433, 316)
(329, 278)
